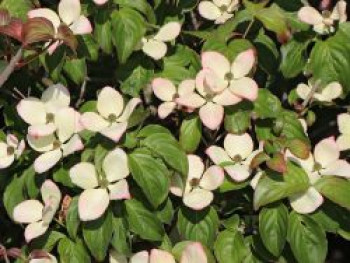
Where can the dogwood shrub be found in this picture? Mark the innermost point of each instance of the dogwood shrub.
(172, 131)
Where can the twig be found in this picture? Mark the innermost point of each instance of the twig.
(248, 28)
(194, 21)
(82, 93)
(10, 67)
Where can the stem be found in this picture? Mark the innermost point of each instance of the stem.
(82, 93)
(10, 67)
(248, 28)
(311, 94)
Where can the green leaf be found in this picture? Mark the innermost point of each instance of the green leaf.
(88, 47)
(72, 218)
(267, 105)
(151, 175)
(292, 128)
(152, 129)
(140, 5)
(273, 222)
(190, 134)
(135, 75)
(97, 235)
(128, 29)
(72, 252)
(14, 194)
(62, 176)
(103, 30)
(229, 247)
(335, 189)
(199, 226)
(120, 241)
(274, 19)
(237, 117)
(294, 57)
(167, 148)
(165, 212)
(76, 70)
(307, 239)
(330, 59)
(143, 222)
(268, 54)
(274, 186)
(47, 241)
(17, 8)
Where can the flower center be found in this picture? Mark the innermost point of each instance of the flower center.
(10, 150)
(112, 118)
(56, 144)
(327, 20)
(50, 117)
(223, 8)
(194, 182)
(104, 183)
(237, 158)
(228, 76)
(317, 167)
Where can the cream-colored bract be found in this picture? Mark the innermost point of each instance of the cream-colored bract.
(49, 259)
(36, 214)
(323, 23)
(111, 118)
(99, 189)
(343, 141)
(236, 155)
(10, 150)
(218, 10)
(155, 46)
(197, 190)
(326, 94)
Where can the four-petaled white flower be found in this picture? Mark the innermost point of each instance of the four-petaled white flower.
(166, 91)
(111, 120)
(218, 10)
(10, 150)
(197, 191)
(236, 155)
(323, 23)
(324, 162)
(220, 84)
(327, 94)
(69, 12)
(50, 113)
(343, 141)
(99, 189)
(155, 46)
(38, 215)
(193, 252)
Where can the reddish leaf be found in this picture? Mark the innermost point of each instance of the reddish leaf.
(259, 159)
(36, 30)
(66, 35)
(14, 252)
(299, 148)
(13, 29)
(277, 163)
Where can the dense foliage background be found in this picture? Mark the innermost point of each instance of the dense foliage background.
(115, 68)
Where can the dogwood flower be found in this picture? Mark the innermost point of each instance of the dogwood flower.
(327, 94)
(111, 120)
(155, 46)
(192, 253)
(69, 12)
(323, 23)
(10, 150)
(343, 141)
(49, 114)
(38, 215)
(197, 192)
(166, 91)
(49, 259)
(236, 155)
(53, 149)
(218, 10)
(221, 84)
(99, 189)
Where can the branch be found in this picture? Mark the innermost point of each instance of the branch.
(10, 67)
